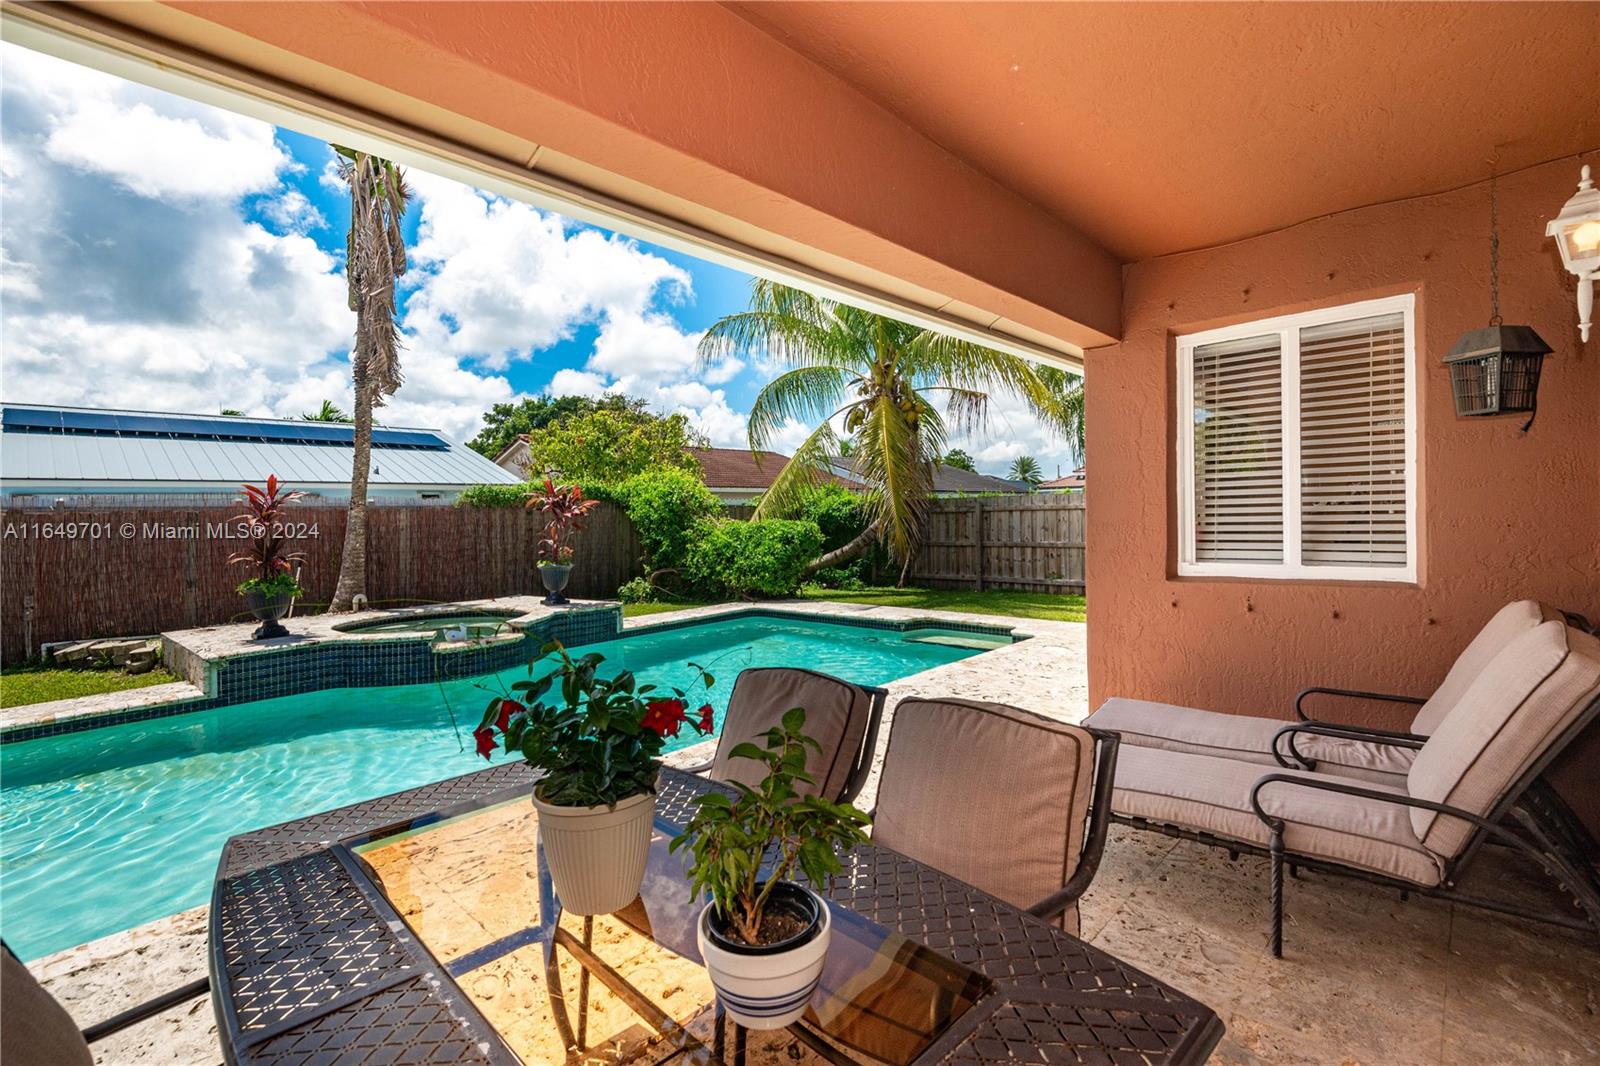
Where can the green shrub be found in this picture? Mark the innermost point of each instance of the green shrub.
(751, 558)
(638, 590)
(665, 506)
(840, 514)
(494, 495)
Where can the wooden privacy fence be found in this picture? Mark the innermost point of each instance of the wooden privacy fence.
(73, 574)
(1030, 542)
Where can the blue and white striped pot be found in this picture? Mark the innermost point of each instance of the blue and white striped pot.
(768, 987)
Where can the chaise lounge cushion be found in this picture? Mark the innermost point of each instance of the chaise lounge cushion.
(1245, 738)
(1213, 794)
(989, 794)
(34, 1028)
(1508, 716)
(1249, 738)
(836, 718)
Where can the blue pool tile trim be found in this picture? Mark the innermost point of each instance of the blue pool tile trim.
(275, 672)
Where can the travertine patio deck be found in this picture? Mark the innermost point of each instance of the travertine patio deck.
(1367, 979)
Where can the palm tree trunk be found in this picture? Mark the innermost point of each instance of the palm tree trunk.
(353, 559)
(844, 554)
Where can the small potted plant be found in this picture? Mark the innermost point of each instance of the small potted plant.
(270, 590)
(563, 509)
(600, 751)
(762, 936)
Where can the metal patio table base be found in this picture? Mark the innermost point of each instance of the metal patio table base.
(311, 962)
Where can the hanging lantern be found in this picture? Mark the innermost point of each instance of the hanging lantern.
(1577, 234)
(1495, 370)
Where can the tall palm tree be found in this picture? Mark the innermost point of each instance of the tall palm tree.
(1025, 468)
(375, 257)
(328, 412)
(892, 391)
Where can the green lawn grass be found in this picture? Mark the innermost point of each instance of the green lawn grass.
(1016, 604)
(998, 601)
(30, 683)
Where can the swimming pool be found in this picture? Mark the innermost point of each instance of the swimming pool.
(106, 829)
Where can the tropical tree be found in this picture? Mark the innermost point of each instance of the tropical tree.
(893, 390)
(328, 412)
(1025, 468)
(611, 446)
(231, 412)
(375, 257)
(505, 422)
(959, 459)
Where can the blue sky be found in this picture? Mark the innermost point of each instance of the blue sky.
(162, 254)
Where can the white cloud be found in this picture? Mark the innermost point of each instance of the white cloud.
(293, 212)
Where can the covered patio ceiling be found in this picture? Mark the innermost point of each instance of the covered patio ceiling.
(987, 168)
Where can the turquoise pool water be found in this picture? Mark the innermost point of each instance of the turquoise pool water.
(109, 828)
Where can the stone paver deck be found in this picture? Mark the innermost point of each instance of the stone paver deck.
(1366, 979)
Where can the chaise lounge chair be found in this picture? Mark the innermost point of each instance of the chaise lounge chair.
(1463, 786)
(1356, 751)
(841, 717)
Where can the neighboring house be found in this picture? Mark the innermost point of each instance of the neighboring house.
(1073, 482)
(737, 475)
(514, 457)
(50, 453)
(947, 480)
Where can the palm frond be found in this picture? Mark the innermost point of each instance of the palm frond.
(805, 470)
(896, 450)
(808, 394)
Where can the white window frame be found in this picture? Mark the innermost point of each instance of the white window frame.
(1288, 328)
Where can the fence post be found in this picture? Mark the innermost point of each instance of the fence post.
(977, 540)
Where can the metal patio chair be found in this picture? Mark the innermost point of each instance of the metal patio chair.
(1475, 780)
(843, 718)
(1013, 803)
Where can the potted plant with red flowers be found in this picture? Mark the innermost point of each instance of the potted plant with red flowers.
(599, 747)
(270, 590)
(563, 508)
(763, 937)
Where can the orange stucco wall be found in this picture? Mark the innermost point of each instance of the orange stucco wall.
(1502, 515)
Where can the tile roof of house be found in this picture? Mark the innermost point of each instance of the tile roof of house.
(55, 444)
(739, 468)
(949, 478)
(1074, 480)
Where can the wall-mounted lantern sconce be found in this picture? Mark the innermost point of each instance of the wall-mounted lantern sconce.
(1577, 234)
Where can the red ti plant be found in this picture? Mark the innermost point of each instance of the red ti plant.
(563, 509)
(262, 521)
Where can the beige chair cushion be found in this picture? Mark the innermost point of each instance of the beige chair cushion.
(1213, 794)
(991, 795)
(1508, 623)
(1511, 712)
(35, 1030)
(1245, 738)
(836, 718)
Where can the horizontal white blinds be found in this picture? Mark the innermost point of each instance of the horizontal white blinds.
(1238, 451)
(1353, 443)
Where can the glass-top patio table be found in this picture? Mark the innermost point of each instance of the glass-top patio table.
(421, 927)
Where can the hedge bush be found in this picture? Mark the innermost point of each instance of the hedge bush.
(666, 506)
(494, 495)
(765, 558)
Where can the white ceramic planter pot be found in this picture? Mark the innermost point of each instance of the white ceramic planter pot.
(766, 988)
(597, 855)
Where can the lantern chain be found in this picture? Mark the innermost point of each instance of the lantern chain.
(1494, 250)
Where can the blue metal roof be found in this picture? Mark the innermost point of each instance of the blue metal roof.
(51, 448)
(80, 422)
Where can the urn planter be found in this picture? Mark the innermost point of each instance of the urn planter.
(768, 986)
(596, 855)
(267, 610)
(555, 577)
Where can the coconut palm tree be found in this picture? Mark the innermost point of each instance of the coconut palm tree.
(328, 412)
(375, 257)
(1025, 468)
(892, 392)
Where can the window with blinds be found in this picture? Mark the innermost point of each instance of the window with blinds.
(1298, 444)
